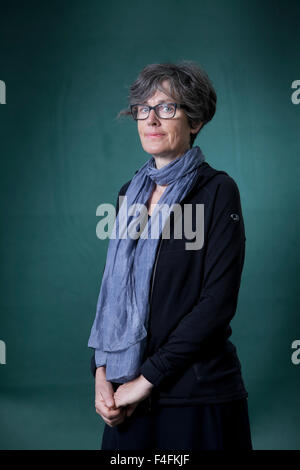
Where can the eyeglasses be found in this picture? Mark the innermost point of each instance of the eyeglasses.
(162, 110)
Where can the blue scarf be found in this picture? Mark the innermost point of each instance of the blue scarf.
(119, 331)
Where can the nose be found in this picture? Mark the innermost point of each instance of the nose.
(152, 118)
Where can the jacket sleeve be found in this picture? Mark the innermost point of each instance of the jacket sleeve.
(122, 192)
(223, 265)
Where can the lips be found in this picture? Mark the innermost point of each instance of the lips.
(154, 135)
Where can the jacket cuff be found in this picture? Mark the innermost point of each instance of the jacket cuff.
(152, 373)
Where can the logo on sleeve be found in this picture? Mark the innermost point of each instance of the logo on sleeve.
(235, 217)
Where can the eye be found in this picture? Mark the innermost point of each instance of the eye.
(167, 109)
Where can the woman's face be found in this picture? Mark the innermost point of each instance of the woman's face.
(173, 135)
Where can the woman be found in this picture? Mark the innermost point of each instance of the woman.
(166, 375)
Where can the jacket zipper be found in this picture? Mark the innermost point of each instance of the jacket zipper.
(154, 270)
(151, 291)
(196, 179)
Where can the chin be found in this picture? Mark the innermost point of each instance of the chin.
(152, 148)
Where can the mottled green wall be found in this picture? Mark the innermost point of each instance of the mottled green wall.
(67, 67)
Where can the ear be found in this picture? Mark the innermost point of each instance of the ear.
(196, 128)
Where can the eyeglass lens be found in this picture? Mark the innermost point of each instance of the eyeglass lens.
(164, 110)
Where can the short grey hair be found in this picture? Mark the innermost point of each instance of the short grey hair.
(189, 86)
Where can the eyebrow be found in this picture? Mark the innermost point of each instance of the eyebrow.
(159, 102)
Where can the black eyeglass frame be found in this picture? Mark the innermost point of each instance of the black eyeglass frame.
(154, 107)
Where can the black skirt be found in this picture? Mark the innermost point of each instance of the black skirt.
(218, 426)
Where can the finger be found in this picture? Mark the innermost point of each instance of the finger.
(117, 401)
(112, 424)
(120, 401)
(115, 421)
(107, 413)
(108, 397)
(100, 403)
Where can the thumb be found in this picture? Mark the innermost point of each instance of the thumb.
(108, 397)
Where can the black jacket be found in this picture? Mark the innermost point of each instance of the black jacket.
(193, 297)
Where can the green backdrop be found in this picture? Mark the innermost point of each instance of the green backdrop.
(67, 66)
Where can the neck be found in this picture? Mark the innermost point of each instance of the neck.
(163, 160)
(160, 188)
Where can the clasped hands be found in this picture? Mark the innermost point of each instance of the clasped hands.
(112, 406)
